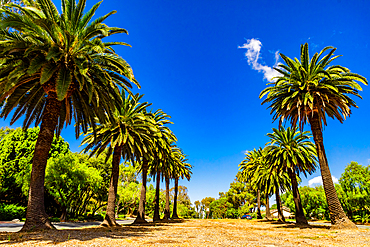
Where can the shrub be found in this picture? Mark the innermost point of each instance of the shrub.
(11, 211)
(54, 219)
(98, 217)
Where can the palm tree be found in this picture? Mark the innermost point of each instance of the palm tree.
(56, 67)
(172, 163)
(181, 170)
(127, 134)
(307, 91)
(292, 152)
(261, 174)
(250, 167)
(154, 160)
(161, 154)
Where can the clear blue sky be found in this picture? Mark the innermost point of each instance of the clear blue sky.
(185, 55)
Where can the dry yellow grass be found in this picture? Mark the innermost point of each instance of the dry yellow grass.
(194, 233)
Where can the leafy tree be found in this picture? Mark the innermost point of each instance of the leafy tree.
(4, 132)
(313, 201)
(56, 67)
(306, 91)
(71, 180)
(292, 152)
(128, 189)
(221, 209)
(206, 204)
(17, 149)
(198, 208)
(355, 185)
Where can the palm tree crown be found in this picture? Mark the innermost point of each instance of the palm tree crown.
(63, 56)
(290, 149)
(311, 85)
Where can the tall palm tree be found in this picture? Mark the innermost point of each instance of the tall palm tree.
(155, 159)
(292, 152)
(56, 67)
(172, 163)
(181, 170)
(127, 134)
(306, 91)
(161, 154)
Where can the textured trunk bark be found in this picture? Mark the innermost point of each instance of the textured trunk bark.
(174, 213)
(299, 214)
(167, 213)
(110, 219)
(337, 215)
(268, 213)
(259, 216)
(279, 206)
(156, 199)
(63, 217)
(140, 218)
(36, 217)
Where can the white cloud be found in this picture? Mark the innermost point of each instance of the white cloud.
(253, 47)
(318, 181)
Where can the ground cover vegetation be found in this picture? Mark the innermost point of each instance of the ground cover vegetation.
(226, 232)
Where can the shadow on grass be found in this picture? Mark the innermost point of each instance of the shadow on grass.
(301, 226)
(292, 225)
(85, 234)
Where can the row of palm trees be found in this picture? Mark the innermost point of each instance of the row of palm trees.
(136, 134)
(277, 167)
(55, 67)
(306, 91)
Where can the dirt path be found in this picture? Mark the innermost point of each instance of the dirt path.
(195, 233)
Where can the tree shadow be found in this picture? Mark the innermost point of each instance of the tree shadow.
(301, 226)
(85, 234)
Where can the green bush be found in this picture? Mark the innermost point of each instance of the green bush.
(11, 211)
(54, 219)
(98, 217)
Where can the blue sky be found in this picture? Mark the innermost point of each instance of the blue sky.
(186, 56)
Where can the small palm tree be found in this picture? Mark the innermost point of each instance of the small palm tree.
(251, 167)
(55, 67)
(127, 134)
(307, 91)
(256, 169)
(291, 151)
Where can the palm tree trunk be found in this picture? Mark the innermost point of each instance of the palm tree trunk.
(299, 214)
(337, 215)
(156, 199)
(36, 217)
(167, 213)
(174, 213)
(268, 213)
(259, 216)
(279, 206)
(110, 219)
(140, 218)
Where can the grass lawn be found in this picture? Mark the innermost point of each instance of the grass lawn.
(194, 233)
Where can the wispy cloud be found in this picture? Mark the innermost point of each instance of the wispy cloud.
(318, 181)
(253, 47)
